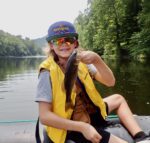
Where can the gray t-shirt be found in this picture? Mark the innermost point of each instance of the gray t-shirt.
(44, 90)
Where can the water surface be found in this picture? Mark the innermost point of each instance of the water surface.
(18, 80)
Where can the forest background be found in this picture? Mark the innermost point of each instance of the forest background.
(114, 28)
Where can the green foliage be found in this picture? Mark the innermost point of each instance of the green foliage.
(115, 27)
(139, 46)
(103, 27)
(16, 46)
(40, 42)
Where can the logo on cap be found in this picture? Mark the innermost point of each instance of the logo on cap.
(61, 28)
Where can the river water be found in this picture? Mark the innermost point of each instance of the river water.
(18, 81)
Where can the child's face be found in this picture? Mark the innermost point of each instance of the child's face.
(63, 47)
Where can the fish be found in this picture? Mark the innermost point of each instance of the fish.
(70, 76)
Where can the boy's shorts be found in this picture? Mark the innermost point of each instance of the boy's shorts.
(97, 121)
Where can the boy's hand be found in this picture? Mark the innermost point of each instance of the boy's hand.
(90, 133)
(88, 57)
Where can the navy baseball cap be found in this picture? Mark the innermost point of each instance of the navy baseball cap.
(61, 29)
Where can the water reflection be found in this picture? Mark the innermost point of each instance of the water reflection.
(18, 80)
(13, 66)
(133, 82)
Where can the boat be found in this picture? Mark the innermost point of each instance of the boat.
(119, 130)
(23, 131)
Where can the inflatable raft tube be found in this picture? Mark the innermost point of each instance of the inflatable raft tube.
(117, 129)
(24, 131)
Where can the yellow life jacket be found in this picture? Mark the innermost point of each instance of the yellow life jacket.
(59, 96)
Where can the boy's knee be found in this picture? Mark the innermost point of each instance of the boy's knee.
(119, 98)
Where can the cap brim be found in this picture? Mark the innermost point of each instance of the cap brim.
(62, 35)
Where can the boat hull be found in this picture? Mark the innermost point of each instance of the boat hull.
(24, 132)
(117, 129)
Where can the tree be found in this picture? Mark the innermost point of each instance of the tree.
(16, 46)
(140, 41)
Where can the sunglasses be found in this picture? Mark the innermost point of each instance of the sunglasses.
(60, 41)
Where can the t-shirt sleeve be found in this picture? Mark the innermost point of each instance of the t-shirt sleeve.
(44, 90)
